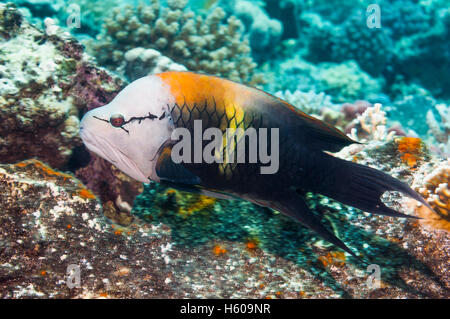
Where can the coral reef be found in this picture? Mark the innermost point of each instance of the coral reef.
(440, 131)
(425, 57)
(435, 189)
(411, 149)
(371, 125)
(309, 102)
(264, 33)
(243, 240)
(51, 223)
(343, 82)
(346, 82)
(116, 190)
(150, 241)
(201, 44)
(43, 90)
(140, 62)
(371, 48)
(286, 11)
(404, 18)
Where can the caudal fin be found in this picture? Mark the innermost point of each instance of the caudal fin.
(362, 186)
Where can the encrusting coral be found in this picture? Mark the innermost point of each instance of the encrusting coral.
(37, 118)
(208, 44)
(43, 90)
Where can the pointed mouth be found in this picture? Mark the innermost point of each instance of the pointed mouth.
(106, 150)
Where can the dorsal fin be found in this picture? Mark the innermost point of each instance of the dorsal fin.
(317, 133)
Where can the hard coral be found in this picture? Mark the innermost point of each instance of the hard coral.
(208, 44)
(371, 48)
(10, 20)
(404, 18)
(264, 32)
(342, 82)
(436, 191)
(371, 125)
(309, 102)
(44, 88)
(440, 131)
(140, 62)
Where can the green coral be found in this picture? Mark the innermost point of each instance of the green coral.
(209, 44)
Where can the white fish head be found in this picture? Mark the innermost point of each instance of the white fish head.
(129, 131)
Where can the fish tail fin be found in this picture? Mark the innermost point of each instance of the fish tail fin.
(361, 186)
(294, 205)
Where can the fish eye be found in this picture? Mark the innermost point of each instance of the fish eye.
(117, 120)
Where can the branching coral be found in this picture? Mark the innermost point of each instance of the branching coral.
(371, 125)
(202, 44)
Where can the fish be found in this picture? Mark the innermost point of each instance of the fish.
(136, 133)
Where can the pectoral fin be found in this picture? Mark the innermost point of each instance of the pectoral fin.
(168, 170)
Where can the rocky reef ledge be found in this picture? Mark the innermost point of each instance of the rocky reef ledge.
(52, 227)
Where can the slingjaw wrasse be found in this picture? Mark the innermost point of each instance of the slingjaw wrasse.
(136, 133)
